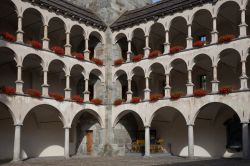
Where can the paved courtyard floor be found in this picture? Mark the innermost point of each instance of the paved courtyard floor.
(130, 161)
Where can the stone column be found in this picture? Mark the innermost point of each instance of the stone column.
(129, 92)
(17, 143)
(245, 140)
(214, 33)
(190, 85)
(129, 53)
(190, 140)
(215, 82)
(167, 87)
(19, 81)
(189, 38)
(19, 33)
(86, 92)
(243, 25)
(66, 143)
(243, 78)
(147, 48)
(147, 90)
(45, 37)
(147, 141)
(67, 89)
(166, 44)
(86, 51)
(45, 86)
(67, 45)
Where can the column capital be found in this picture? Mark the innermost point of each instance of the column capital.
(147, 126)
(67, 127)
(18, 124)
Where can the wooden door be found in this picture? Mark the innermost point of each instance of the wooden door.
(89, 143)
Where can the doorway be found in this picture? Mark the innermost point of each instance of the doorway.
(89, 141)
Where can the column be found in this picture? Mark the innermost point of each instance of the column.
(66, 143)
(129, 92)
(67, 45)
(147, 141)
(45, 86)
(19, 33)
(67, 89)
(129, 53)
(86, 92)
(86, 51)
(167, 87)
(215, 82)
(189, 38)
(243, 78)
(17, 144)
(147, 48)
(245, 140)
(214, 33)
(243, 25)
(190, 140)
(45, 37)
(166, 44)
(19, 81)
(147, 90)
(190, 85)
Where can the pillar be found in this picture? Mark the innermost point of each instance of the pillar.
(215, 82)
(147, 90)
(66, 143)
(166, 44)
(129, 92)
(19, 81)
(190, 85)
(243, 25)
(86, 51)
(45, 37)
(147, 48)
(129, 53)
(86, 92)
(67, 45)
(245, 140)
(243, 78)
(19, 33)
(45, 86)
(189, 38)
(214, 33)
(190, 140)
(167, 87)
(147, 141)
(67, 89)
(17, 144)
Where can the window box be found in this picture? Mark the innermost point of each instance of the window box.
(200, 92)
(176, 95)
(226, 38)
(137, 58)
(96, 101)
(58, 50)
(135, 100)
(176, 49)
(97, 61)
(78, 56)
(155, 97)
(118, 62)
(78, 99)
(154, 54)
(57, 96)
(8, 36)
(225, 90)
(118, 102)
(34, 93)
(8, 90)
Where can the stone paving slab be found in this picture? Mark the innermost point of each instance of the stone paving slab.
(130, 161)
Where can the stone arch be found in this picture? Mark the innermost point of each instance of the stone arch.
(121, 41)
(96, 45)
(56, 32)
(77, 80)
(138, 41)
(120, 81)
(157, 37)
(157, 79)
(77, 39)
(118, 73)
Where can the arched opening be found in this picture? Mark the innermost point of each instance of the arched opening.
(157, 81)
(96, 87)
(217, 131)
(121, 85)
(138, 82)
(77, 81)
(178, 76)
(8, 15)
(138, 42)
(56, 77)
(229, 19)
(6, 133)
(95, 45)
(32, 72)
(129, 133)
(8, 69)
(202, 26)
(86, 134)
(157, 37)
(56, 33)
(43, 133)
(202, 73)
(77, 40)
(164, 138)
(32, 25)
(122, 49)
(178, 32)
(229, 68)
(248, 17)
(248, 69)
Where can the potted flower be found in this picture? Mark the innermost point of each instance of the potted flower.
(34, 93)
(56, 96)
(176, 95)
(226, 38)
(137, 58)
(78, 56)
(199, 44)
(225, 90)
(135, 100)
(96, 101)
(36, 44)
(155, 97)
(118, 102)
(8, 90)
(154, 54)
(118, 62)
(200, 92)
(8, 36)
(77, 99)
(97, 61)
(58, 50)
(175, 49)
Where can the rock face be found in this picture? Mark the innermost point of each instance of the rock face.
(110, 10)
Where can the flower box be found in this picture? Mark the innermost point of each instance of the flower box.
(118, 62)
(155, 97)
(176, 95)
(96, 101)
(34, 93)
(8, 90)
(36, 44)
(77, 99)
(200, 92)
(135, 100)
(57, 96)
(58, 50)
(176, 49)
(225, 90)
(118, 102)
(8, 36)
(137, 58)
(226, 38)
(198, 44)
(97, 61)
(78, 56)
(154, 54)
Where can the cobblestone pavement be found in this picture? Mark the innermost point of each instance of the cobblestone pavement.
(130, 161)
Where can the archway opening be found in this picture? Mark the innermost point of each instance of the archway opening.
(77, 81)
(121, 86)
(157, 81)
(77, 39)
(56, 33)
(122, 46)
(138, 42)
(96, 87)
(157, 37)
(248, 69)
(96, 46)
(138, 83)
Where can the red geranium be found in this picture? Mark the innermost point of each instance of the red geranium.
(137, 58)
(118, 102)
(96, 101)
(225, 90)
(198, 43)
(155, 97)
(176, 95)
(57, 96)
(8, 36)
(9, 90)
(58, 50)
(97, 61)
(118, 62)
(34, 93)
(175, 49)
(135, 100)
(200, 92)
(36, 44)
(226, 38)
(154, 54)
(77, 99)
(78, 56)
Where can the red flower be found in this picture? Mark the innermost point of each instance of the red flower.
(226, 38)
(78, 56)
(225, 90)
(58, 50)
(155, 97)
(135, 100)
(36, 44)
(198, 43)
(118, 102)
(118, 62)
(176, 95)
(154, 54)
(8, 36)
(97, 61)
(176, 49)
(34, 93)
(57, 96)
(137, 58)
(77, 99)
(9, 90)
(200, 92)
(96, 101)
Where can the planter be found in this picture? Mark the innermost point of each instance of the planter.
(200, 92)
(226, 38)
(198, 44)
(97, 61)
(78, 56)
(78, 99)
(137, 58)
(8, 36)
(58, 50)
(176, 95)
(135, 100)
(118, 62)
(118, 102)
(36, 44)
(154, 54)
(34, 93)
(225, 90)
(96, 101)
(155, 97)
(8, 90)
(57, 96)
(176, 49)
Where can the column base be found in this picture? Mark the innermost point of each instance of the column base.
(45, 90)
(67, 94)
(214, 35)
(86, 55)
(243, 30)
(189, 42)
(45, 43)
(190, 89)
(166, 48)
(67, 49)
(19, 36)
(244, 83)
(86, 96)
(147, 94)
(146, 52)
(129, 56)
(19, 87)
(167, 92)
(129, 96)
(215, 86)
